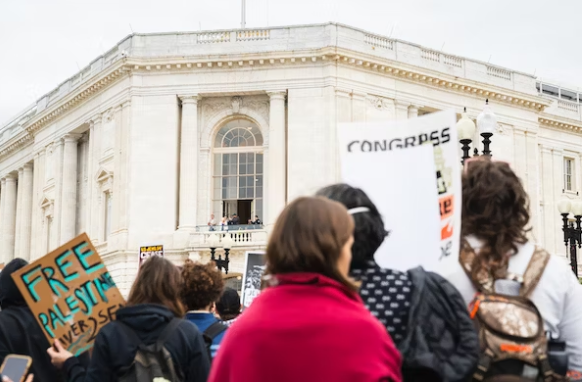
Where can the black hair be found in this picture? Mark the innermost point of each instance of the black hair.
(369, 228)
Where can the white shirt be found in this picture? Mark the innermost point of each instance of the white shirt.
(212, 222)
(557, 296)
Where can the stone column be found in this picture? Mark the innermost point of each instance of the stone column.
(2, 218)
(94, 195)
(276, 195)
(412, 112)
(343, 115)
(358, 107)
(189, 150)
(18, 222)
(57, 163)
(26, 211)
(34, 221)
(69, 194)
(124, 174)
(40, 176)
(401, 109)
(9, 218)
(532, 183)
(551, 215)
(557, 182)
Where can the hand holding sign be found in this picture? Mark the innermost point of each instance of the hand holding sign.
(58, 354)
(71, 294)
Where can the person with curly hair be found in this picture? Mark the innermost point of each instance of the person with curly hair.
(495, 219)
(202, 286)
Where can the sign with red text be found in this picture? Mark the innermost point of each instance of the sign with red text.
(71, 294)
(411, 171)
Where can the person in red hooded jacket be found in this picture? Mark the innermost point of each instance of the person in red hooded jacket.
(309, 324)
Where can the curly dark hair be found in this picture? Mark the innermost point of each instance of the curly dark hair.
(369, 228)
(203, 285)
(495, 209)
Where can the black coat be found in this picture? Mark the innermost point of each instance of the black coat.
(20, 332)
(114, 350)
(441, 342)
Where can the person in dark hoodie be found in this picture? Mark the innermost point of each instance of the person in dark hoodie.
(19, 331)
(154, 301)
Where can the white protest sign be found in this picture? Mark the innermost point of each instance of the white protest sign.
(411, 171)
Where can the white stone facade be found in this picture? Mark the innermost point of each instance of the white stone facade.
(126, 149)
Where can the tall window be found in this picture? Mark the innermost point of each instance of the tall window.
(568, 185)
(107, 219)
(238, 171)
(49, 233)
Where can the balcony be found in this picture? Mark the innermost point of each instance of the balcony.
(242, 236)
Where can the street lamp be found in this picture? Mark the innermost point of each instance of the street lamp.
(466, 129)
(227, 244)
(571, 234)
(486, 125)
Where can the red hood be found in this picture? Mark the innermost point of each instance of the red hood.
(308, 327)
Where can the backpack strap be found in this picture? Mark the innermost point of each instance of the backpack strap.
(132, 334)
(534, 271)
(214, 330)
(167, 332)
(484, 282)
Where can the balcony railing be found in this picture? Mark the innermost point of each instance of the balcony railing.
(241, 235)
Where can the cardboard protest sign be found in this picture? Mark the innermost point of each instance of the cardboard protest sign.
(70, 293)
(411, 171)
(254, 268)
(149, 251)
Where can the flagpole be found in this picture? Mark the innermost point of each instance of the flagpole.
(242, 14)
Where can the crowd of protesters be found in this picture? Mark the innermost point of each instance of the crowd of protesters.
(329, 312)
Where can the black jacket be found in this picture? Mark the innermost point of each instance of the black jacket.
(19, 331)
(114, 350)
(441, 342)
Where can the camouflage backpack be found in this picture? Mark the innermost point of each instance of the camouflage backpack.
(513, 343)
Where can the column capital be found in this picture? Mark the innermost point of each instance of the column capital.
(189, 99)
(9, 178)
(97, 119)
(71, 137)
(358, 95)
(3, 181)
(343, 92)
(126, 103)
(276, 95)
(402, 103)
(27, 167)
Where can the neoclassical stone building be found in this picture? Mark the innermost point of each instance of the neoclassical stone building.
(142, 145)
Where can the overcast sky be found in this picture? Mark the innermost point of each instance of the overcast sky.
(42, 42)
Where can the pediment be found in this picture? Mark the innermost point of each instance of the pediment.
(103, 175)
(45, 201)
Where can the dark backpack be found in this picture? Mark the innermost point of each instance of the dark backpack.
(210, 333)
(441, 342)
(513, 343)
(152, 362)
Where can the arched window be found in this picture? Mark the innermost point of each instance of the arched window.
(238, 171)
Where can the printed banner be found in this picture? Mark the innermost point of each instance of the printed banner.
(411, 171)
(70, 293)
(254, 268)
(149, 251)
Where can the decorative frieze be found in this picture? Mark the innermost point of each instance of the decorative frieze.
(559, 125)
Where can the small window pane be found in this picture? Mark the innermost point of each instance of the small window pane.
(242, 182)
(249, 192)
(568, 95)
(549, 90)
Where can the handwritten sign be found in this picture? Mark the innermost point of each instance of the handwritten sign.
(149, 251)
(71, 294)
(411, 171)
(254, 268)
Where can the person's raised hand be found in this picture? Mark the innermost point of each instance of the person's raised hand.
(58, 354)
(29, 378)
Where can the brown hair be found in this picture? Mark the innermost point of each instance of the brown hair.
(158, 282)
(308, 237)
(203, 285)
(495, 209)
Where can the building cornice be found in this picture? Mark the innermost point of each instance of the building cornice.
(386, 67)
(560, 125)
